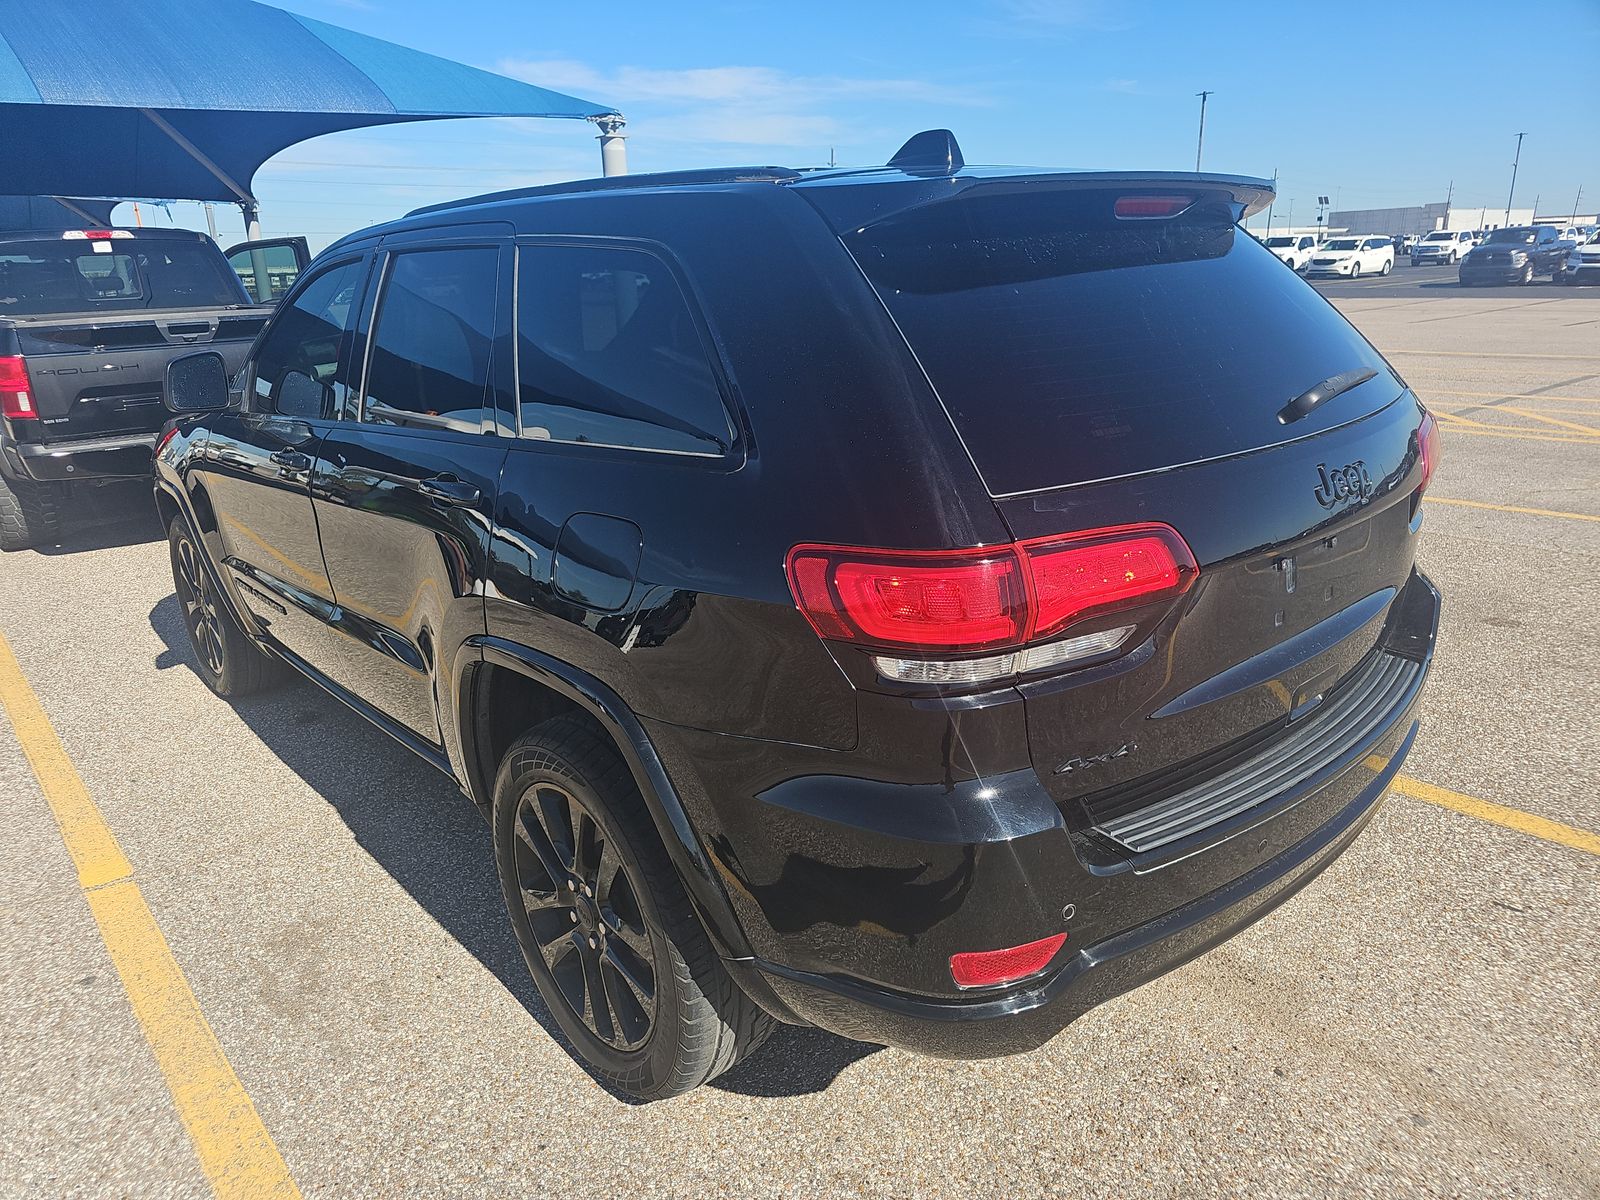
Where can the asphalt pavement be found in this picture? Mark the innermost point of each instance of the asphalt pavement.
(1420, 1021)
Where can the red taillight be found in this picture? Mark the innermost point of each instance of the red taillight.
(1428, 450)
(16, 393)
(984, 968)
(986, 598)
(167, 435)
(1145, 208)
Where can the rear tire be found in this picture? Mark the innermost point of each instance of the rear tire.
(29, 513)
(230, 663)
(604, 922)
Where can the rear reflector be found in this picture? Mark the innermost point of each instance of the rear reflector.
(16, 393)
(985, 968)
(1146, 208)
(989, 598)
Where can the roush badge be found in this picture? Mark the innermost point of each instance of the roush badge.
(1338, 484)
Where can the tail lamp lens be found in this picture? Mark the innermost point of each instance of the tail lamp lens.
(985, 968)
(16, 393)
(1428, 449)
(989, 598)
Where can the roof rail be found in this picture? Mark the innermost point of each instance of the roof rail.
(619, 182)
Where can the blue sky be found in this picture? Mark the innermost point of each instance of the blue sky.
(1355, 108)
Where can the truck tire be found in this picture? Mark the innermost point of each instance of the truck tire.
(605, 927)
(29, 513)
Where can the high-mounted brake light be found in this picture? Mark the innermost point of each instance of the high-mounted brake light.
(16, 393)
(1428, 449)
(985, 968)
(95, 235)
(989, 598)
(1146, 208)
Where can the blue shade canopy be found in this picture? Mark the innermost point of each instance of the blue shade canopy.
(47, 212)
(96, 96)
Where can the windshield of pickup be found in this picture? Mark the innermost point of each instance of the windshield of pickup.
(72, 275)
(1511, 237)
(1281, 241)
(1440, 237)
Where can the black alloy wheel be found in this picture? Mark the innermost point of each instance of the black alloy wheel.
(199, 602)
(603, 922)
(230, 663)
(583, 909)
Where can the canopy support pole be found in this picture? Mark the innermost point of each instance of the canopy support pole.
(247, 202)
(73, 208)
(613, 144)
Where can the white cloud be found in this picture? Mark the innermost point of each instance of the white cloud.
(735, 105)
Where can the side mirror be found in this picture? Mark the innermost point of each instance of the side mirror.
(196, 383)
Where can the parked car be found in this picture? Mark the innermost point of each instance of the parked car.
(1294, 249)
(867, 599)
(1408, 243)
(1516, 255)
(1442, 246)
(88, 321)
(1583, 262)
(1352, 257)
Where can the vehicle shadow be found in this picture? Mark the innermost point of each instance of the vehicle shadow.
(107, 517)
(432, 841)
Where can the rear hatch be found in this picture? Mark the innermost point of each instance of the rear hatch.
(1104, 370)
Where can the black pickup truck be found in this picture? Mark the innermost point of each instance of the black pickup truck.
(88, 321)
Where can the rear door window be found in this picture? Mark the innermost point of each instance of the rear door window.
(1070, 346)
(609, 353)
(433, 339)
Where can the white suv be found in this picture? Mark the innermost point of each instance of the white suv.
(1448, 246)
(1352, 257)
(1294, 249)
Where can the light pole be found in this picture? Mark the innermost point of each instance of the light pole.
(1275, 196)
(1514, 163)
(1201, 143)
(1322, 209)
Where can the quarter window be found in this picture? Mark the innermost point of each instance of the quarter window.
(300, 370)
(433, 340)
(609, 353)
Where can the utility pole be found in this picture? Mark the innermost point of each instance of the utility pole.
(1572, 220)
(1201, 143)
(1275, 196)
(1514, 164)
(1450, 194)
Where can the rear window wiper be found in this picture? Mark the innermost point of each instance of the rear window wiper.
(1326, 390)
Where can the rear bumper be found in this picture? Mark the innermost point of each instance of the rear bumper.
(125, 456)
(1025, 1020)
(854, 894)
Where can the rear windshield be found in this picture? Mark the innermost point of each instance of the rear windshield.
(71, 275)
(1069, 346)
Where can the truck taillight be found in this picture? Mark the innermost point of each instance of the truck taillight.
(16, 393)
(1004, 597)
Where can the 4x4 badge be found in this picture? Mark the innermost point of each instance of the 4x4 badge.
(1341, 483)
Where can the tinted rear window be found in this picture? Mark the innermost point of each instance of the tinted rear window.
(68, 275)
(1069, 346)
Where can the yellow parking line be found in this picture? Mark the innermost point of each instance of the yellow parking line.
(1518, 436)
(236, 1153)
(1513, 508)
(1495, 354)
(1512, 395)
(1537, 416)
(1497, 814)
(1445, 414)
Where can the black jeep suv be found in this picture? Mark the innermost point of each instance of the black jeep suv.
(920, 602)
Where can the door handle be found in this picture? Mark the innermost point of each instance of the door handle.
(290, 460)
(447, 489)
